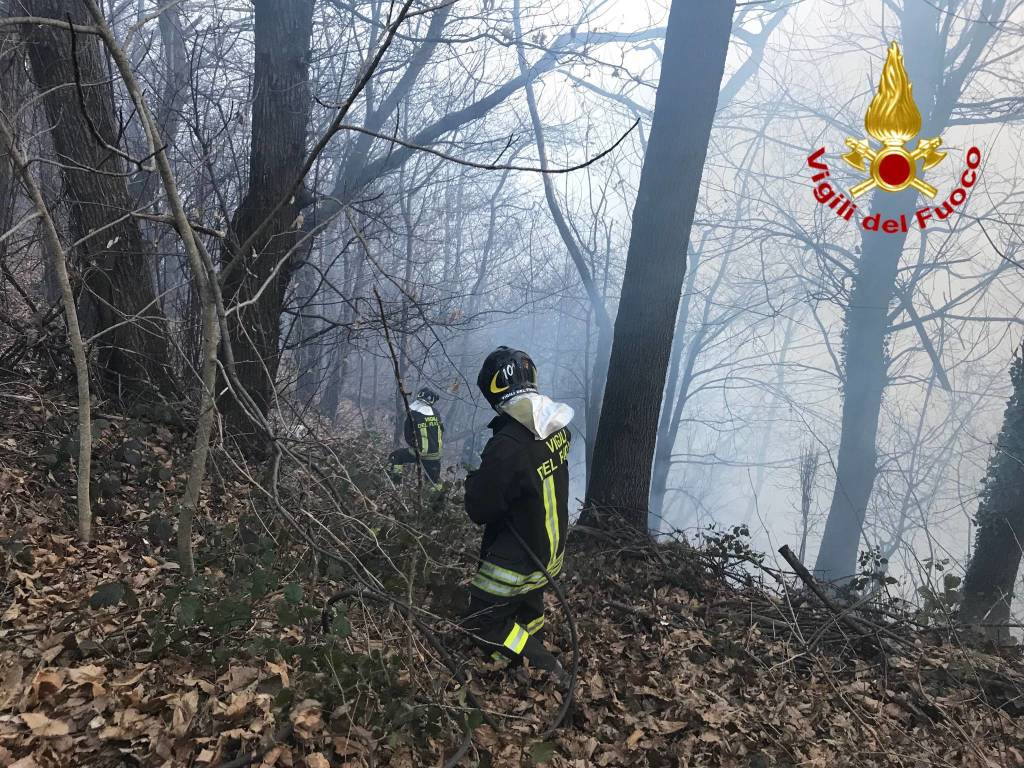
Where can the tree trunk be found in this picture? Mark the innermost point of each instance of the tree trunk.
(255, 282)
(696, 44)
(134, 346)
(937, 68)
(11, 98)
(991, 574)
(666, 429)
(864, 380)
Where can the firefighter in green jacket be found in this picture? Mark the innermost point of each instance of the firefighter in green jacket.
(423, 430)
(520, 494)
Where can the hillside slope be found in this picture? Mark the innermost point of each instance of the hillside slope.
(685, 658)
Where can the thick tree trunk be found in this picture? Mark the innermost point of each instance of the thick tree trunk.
(696, 44)
(992, 573)
(254, 286)
(134, 346)
(937, 68)
(864, 380)
(667, 430)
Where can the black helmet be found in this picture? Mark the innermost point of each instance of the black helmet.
(427, 395)
(506, 372)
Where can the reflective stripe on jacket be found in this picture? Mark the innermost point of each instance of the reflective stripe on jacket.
(425, 430)
(522, 483)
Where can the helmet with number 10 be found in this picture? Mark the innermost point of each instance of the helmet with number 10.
(505, 373)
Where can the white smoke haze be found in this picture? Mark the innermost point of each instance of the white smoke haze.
(466, 256)
(767, 293)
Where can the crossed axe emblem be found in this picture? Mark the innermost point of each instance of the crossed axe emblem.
(892, 167)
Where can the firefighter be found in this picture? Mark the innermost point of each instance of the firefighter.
(423, 430)
(520, 494)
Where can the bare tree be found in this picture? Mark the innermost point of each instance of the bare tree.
(8, 143)
(129, 330)
(695, 48)
(938, 66)
(255, 280)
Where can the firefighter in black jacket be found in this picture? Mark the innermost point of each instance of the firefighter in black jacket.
(423, 430)
(521, 487)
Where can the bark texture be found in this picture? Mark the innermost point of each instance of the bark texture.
(992, 573)
(696, 44)
(255, 282)
(134, 348)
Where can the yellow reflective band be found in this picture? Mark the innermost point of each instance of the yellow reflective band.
(556, 567)
(512, 578)
(494, 587)
(516, 639)
(551, 518)
(484, 584)
(535, 626)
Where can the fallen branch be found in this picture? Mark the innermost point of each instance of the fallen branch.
(862, 629)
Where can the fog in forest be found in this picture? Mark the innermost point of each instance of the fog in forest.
(511, 382)
(279, 223)
(470, 259)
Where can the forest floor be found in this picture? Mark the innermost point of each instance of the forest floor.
(686, 657)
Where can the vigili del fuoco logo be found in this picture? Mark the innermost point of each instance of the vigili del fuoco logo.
(892, 119)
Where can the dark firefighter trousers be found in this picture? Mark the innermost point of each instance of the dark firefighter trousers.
(403, 456)
(510, 627)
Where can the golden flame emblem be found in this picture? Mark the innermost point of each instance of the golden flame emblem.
(893, 119)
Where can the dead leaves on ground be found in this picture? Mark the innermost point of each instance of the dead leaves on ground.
(676, 692)
(671, 685)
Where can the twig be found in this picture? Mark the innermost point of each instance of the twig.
(58, 259)
(165, 219)
(80, 91)
(573, 636)
(436, 644)
(46, 21)
(645, 615)
(492, 166)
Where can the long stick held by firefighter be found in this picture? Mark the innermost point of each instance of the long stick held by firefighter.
(424, 434)
(520, 494)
